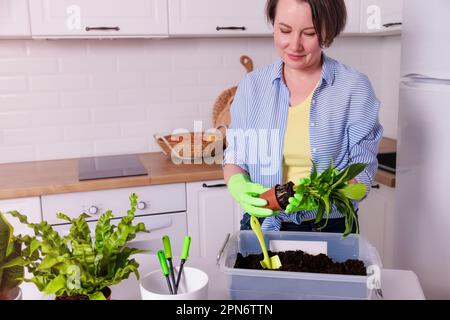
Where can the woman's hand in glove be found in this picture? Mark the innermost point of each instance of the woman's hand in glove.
(247, 193)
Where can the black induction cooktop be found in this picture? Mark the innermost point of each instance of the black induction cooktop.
(110, 167)
(387, 161)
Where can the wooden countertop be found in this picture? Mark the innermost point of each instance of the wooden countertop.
(28, 179)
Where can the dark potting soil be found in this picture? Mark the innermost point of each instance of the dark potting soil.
(299, 261)
(73, 297)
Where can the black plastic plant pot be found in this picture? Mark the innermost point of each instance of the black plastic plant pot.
(278, 196)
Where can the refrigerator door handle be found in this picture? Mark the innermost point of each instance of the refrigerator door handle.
(422, 83)
(415, 76)
(425, 79)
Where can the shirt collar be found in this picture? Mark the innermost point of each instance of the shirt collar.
(327, 69)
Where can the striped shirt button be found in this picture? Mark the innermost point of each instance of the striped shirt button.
(313, 124)
(314, 150)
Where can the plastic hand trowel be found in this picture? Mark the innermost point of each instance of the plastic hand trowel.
(268, 262)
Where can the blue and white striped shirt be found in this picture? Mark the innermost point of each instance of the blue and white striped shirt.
(344, 127)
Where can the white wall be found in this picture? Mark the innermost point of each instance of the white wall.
(390, 77)
(75, 98)
(379, 59)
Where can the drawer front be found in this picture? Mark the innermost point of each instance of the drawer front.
(172, 224)
(31, 207)
(152, 200)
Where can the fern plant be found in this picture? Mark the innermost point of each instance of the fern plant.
(75, 264)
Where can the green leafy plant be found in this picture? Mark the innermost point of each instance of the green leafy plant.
(77, 265)
(330, 187)
(11, 264)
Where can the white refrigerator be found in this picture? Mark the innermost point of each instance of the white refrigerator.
(422, 217)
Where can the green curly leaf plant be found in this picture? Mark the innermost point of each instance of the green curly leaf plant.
(11, 263)
(76, 265)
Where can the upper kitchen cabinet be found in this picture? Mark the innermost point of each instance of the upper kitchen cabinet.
(218, 18)
(381, 17)
(98, 19)
(14, 19)
(353, 17)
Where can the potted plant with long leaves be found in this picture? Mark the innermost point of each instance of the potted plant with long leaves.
(78, 266)
(320, 192)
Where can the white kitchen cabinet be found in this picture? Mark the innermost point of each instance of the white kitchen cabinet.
(98, 19)
(173, 225)
(155, 199)
(376, 218)
(353, 17)
(218, 18)
(14, 19)
(212, 214)
(31, 207)
(162, 208)
(381, 16)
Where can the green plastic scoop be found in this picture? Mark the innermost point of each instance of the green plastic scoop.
(268, 262)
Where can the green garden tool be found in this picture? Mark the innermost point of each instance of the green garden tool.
(268, 262)
(184, 256)
(168, 253)
(165, 269)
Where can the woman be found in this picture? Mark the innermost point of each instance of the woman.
(305, 106)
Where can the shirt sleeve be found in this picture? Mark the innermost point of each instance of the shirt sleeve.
(236, 150)
(364, 130)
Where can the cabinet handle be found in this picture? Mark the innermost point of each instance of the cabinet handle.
(392, 24)
(93, 210)
(102, 28)
(377, 186)
(231, 28)
(214, 185)
(141, 205)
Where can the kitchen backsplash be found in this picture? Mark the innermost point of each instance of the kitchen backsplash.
(75, 98)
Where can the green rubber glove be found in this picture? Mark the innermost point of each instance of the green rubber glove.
(297, 203)
(294, 204)
(246, 193)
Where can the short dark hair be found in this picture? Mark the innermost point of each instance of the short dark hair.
(329, 16)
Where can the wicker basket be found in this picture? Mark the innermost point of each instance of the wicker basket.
(191, 145)
(221, 110)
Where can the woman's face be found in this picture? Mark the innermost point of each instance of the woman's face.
(295, 38)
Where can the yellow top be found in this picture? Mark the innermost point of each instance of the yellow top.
(296, 152)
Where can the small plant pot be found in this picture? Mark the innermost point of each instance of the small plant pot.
(277, 197)
(11, 294)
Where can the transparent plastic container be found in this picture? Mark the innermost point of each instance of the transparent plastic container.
(245, 284)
